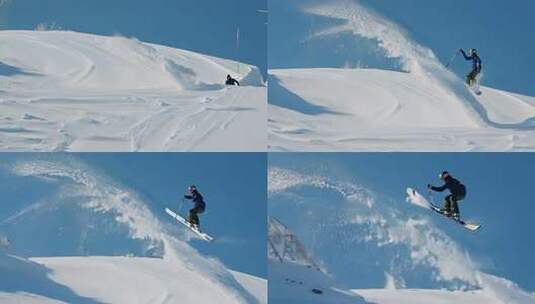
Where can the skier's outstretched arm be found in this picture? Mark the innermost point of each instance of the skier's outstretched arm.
(437, 189)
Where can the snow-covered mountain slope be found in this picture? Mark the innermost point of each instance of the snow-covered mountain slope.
(82, 212)
(423, 106)
(111, 280)
(80, 92)
(294, 276)
(422, 296)
(494, 291)
(377, 110)
(293, 283)
(366, 240)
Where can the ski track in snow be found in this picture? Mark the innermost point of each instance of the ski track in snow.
(105, 196)
(382, 223)
(426, 108)
(82, 92)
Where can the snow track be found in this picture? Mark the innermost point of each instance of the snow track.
(66, 91)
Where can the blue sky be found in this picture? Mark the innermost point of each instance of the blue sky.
(498, 29)
(233, 185)
(205, 26)
(499, 196)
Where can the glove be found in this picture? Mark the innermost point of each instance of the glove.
(461, 50)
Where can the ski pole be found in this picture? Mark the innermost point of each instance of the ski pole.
(452, 58)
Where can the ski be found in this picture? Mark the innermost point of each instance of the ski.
(469, 226)
(475, 89)
(417, 199)
(183, 221)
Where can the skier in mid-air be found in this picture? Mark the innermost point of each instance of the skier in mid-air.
(476, 65)
(231, 81)
(457, 193)
(198, 208)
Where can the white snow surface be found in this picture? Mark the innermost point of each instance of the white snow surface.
(178, 263)
(425, 107)
(114, 280)
(367, 225)
(377, 110)
(291, 283)
(68, 91)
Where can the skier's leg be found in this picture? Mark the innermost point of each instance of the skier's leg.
(193, 218)
(471, 77)
(454, 207)
(447, 205)
(195, 215)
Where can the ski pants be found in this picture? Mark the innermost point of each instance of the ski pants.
(450, 203)
(471, 77)
(193, 214)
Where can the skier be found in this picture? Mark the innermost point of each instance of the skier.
(457, 193)
(199, 207)
(476, 65)
(231, 81)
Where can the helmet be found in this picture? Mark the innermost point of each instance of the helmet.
(444, 174)
(472, 51)
(192, 188)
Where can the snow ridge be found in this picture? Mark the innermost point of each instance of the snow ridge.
(69, 91)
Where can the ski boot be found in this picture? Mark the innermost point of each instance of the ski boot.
(190, 223)
(456, 216)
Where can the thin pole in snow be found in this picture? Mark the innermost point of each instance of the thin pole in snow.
(238, 47)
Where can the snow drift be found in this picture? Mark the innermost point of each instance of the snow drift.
(422, 107)
(87, 213)
(64, 90)
(367, 240)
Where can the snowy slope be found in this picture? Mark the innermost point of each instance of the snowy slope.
(378, 248)
(423, 106)
(494, 291)
(114, 280)
(79, 92)
(87, 214)
(419, 296)
(375, 110)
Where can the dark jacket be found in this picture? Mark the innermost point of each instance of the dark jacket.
(476, 61)
(453, 185)
(232, 81)
(197, 198)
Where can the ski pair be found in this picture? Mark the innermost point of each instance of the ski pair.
(469, 226)
(419, 200)
(184, 222)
